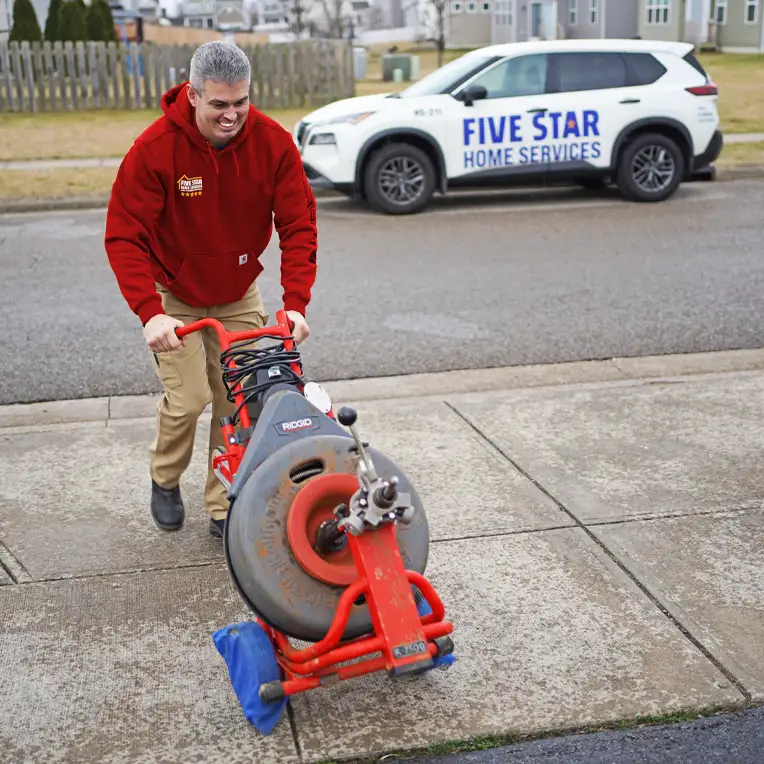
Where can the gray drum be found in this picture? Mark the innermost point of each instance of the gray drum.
(260, 560)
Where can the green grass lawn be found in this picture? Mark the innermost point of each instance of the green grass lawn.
(741, 90)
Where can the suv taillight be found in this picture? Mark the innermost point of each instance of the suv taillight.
(709, 89)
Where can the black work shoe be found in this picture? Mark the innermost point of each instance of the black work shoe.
(167, 507)
(217, 527)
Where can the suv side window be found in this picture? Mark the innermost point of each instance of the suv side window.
(514, 77)
(643, 68)
(588, 71)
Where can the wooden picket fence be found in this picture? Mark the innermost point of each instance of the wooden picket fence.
(39, 77)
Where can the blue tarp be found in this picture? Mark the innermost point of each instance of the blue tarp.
(251, 661)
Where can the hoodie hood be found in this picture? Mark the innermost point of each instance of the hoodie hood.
(178, 109)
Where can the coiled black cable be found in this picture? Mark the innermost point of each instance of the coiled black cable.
(249, 360)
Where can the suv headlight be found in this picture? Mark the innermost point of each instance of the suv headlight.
(353, 118)
(322, 139)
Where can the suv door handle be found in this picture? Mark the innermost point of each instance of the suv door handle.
(536, 111)
(630, 100)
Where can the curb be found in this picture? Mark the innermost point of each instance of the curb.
(739, 172)
(101, 201)
(54, 204)
(94, 202)
(433, 385)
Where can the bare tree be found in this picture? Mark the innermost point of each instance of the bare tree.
(436, 21)
(297, 12)
(337, 13)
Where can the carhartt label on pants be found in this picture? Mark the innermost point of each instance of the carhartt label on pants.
(242, 259)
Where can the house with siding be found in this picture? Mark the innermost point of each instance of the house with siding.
(523, 20)
(614, 19)
(734, 26)
(468, 24)
(476, 22)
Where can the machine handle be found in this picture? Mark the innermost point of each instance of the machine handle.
(282, 328)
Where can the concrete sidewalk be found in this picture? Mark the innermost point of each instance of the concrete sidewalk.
(596, 538)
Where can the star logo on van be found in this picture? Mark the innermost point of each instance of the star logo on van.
(190, 186)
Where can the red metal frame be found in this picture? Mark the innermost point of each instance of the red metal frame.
(235, 450)
(400, 634)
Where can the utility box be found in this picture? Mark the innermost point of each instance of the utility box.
(393, 61)
(360, 60)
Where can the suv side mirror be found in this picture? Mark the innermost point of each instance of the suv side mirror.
(473, 93)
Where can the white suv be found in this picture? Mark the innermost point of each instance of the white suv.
(637, 113)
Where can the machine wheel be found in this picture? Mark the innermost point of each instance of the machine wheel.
(650, 168)
(261, 561)
(399, 179)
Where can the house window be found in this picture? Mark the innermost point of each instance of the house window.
(593, 8)
(573, 12)
(485, 7)
(658, 12)
(502, 12)
(456, 7)
(751, 11)
(721, 12)
(472, 7)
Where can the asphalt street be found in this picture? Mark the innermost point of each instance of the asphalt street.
(480, 280)
(734, 737)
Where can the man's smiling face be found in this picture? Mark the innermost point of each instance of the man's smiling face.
(221, 110)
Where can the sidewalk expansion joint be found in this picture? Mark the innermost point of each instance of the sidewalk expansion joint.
(115, 573)
(651, 518)
(12, 566)
(731, 678)
(499, 534)
(293, 728)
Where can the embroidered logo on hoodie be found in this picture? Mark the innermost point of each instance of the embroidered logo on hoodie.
(190, 186)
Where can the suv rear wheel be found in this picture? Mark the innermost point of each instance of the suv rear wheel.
(399, 179)
(650, 168)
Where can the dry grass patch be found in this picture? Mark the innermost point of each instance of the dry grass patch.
(56, 184)
(71, 135)
(742, 153)
(85, 134)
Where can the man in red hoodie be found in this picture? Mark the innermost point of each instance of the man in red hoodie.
(192, 209)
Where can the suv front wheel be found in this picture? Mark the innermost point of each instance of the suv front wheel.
(650, 168)
(399, 179)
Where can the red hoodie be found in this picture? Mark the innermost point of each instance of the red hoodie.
(196, 219)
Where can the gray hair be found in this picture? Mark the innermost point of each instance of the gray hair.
(219, 61)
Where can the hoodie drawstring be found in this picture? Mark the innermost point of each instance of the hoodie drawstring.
(215, 162)
(212, 156)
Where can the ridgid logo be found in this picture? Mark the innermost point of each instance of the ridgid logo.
(289, 426)
(190, 186)
(297, 424)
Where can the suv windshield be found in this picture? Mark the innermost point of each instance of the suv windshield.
(449, 76)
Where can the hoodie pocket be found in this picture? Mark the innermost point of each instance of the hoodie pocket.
(215, 279)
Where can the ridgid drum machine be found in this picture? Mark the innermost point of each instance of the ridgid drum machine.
(326, 539)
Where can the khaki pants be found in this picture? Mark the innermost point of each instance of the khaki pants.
(192, 377)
